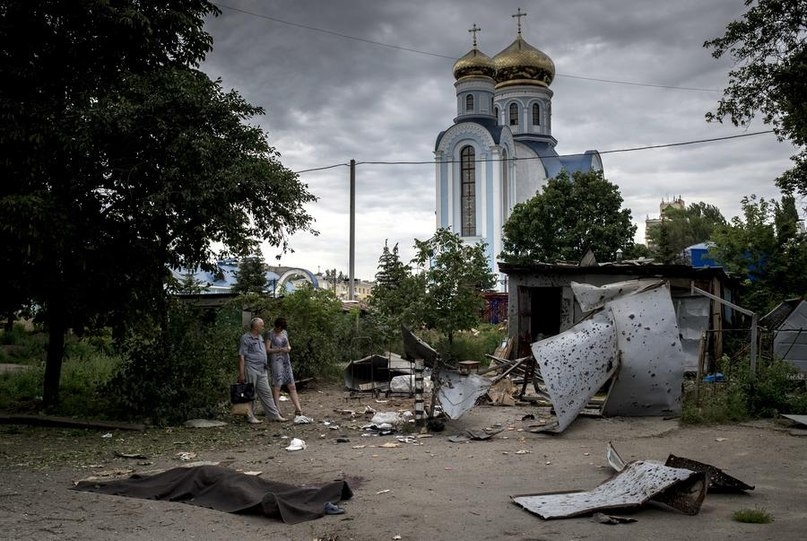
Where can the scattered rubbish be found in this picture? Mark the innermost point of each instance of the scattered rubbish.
(302, 420)
(342, 440)
(383, 491)
(204, 423)
(390, 445)
(712, 378)
(395, 537)
(369, 410)
(457, 393)
(130, 455)
(296, 444)
(501, 393)
(523, 452)
(358, 446)
(459, 439)
(332, 509)
(186, 455)
(388, 418)
(107, 435)
(602, 518)
(199, 463)
(375, 372)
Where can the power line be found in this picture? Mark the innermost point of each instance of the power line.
(614, 151)
(438, 55)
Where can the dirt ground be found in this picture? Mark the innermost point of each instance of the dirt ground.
(429, 488)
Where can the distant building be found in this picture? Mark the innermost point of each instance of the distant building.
(280, 280)
(677, 203)
(362, 289)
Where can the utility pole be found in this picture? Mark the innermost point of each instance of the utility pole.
(352, 265)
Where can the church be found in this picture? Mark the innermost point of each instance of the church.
(500, 150)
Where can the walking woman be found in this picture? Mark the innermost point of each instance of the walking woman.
(278, 348)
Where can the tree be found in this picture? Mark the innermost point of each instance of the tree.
(251, 275)
(398, 296)
(680, 228)
(568, 217)
(122, 160)
(769, 52)
(767, 249)
(455, 277)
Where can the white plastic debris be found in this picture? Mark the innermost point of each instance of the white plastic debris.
(386, 418)
(296, 444)
(302, 420)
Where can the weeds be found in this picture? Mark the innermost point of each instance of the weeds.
(775, 388)
(758, 515)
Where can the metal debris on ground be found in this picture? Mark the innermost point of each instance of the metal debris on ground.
(719, 481)
(637, 484)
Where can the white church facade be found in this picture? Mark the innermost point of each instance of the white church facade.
(500, 150)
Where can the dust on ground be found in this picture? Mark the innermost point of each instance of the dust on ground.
(424, 488)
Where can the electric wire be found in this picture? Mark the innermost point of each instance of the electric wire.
(542, 157)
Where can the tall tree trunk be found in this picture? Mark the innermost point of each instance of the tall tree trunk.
(56, 320)
(53, 364)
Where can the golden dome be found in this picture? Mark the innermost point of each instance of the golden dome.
(521, 63)
(474, 63)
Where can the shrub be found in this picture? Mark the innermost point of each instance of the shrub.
(775, 388)
(758, 515)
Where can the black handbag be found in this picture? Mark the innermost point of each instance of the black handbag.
(242, 392)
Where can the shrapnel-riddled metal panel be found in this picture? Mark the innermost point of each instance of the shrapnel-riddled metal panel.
(651, 369)
(576, 363)
(636, 484)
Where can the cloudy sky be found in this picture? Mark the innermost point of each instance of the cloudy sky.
(371, 80)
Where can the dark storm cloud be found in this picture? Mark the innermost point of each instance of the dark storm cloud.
(329, 99)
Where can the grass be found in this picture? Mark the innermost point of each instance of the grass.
(757, 515)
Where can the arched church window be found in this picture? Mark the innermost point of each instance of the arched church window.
(513, 114)
(505, 187)
(536, 114)
(496, 112)
(469, 102)
(467, 192)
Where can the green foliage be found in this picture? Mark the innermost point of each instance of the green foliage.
(398, 296)
(126, 160)
(776, 388)
(185, 376)
(251, 275)
(567, 218)
(468, 345)
(757, 515)
(766, 249)
(769, 55)
(15, 336)
(88, 364)
(455, 276)
(683, 227)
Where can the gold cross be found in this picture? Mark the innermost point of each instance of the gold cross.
(519, 15)
(474, 30)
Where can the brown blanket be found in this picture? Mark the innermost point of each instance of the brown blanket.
(227, 490)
